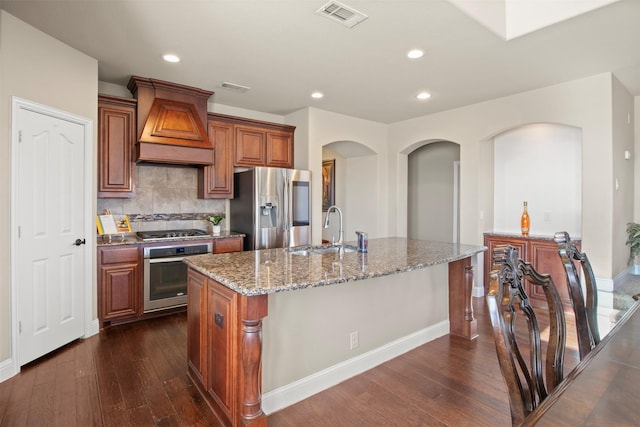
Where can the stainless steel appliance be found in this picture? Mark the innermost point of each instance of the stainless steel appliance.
(165, 275)
(272, 207)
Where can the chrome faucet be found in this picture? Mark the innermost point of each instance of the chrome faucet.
(340, 232)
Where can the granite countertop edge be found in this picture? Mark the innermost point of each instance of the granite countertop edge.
(245, 282)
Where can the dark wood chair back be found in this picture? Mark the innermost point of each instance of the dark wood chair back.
(585, 307)
(521, 359)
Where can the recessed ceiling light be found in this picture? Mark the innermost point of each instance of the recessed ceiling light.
(415, 54)
(317, 95)
(423, 95)
(169, 57)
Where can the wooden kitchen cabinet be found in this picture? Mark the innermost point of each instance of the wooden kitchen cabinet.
(250, 146)
(260, 146)
(119, 282)
(245, 143)
(216, 317)
(216, 181)
(116, 139)
(279, 149)
(196, 325)
(542, 253)
(221, 336)
(228, 244)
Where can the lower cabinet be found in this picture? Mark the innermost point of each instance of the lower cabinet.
(542, 253)
(223, 339)
(119, 283)
(211, 312)
(221, 307)
(228, 244)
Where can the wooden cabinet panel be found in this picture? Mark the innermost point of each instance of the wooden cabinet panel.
(279, 149)
(245, 143)
(249, 147)
(545, 259)
(118, 283)
(229, 327)
(491, 242)
(116, 138)
(196, 324)
(231, 244)
(542, 254)
(216, 181)
(221, 336)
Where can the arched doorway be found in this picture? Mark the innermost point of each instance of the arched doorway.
(432, 211)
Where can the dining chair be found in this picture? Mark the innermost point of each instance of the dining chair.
(521, 359)
(584, 308)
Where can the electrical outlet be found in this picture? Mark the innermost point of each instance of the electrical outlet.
(353, 340)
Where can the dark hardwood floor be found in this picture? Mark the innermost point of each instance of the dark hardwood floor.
(135, 375)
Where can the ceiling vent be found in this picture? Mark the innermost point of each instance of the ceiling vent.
(235, 87)
(341, 13)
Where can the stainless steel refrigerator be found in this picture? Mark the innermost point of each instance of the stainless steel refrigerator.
(272, 206)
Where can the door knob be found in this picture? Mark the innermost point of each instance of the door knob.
(79, 242)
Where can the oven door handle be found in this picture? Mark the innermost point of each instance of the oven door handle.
(170, 259)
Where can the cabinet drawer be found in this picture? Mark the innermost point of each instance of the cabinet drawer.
(232, 244)
(118, 255)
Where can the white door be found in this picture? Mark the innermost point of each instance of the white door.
(50, 216)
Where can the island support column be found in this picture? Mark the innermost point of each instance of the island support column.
(461, 320)
(251, 311)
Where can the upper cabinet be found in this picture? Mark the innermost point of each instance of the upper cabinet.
(244, 143)
(116, 139)
(279, 149)
(216, 181)
(264, 144)
(250, 146)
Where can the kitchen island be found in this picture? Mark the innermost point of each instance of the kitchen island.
(231, 294)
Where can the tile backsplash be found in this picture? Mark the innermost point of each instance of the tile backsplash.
(166, 198)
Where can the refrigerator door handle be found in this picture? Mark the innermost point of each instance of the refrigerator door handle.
(287, 209)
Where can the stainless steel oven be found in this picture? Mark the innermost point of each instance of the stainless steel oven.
(165, 275)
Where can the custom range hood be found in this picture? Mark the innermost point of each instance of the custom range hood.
(171, 123)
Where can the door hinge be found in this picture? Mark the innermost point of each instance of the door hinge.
(19, 327)
(19, 232)
(19, 136)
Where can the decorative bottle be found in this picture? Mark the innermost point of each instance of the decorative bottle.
(524, 221)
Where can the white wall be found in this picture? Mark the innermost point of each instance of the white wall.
(635, 157)
(542, 164)
(584, 103)
(36, 67)
(325, 127)
(362, 205)
(308, 330)
(623, 175)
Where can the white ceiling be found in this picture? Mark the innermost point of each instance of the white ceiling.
(283, 50)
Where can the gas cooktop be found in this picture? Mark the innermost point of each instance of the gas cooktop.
(170, 234)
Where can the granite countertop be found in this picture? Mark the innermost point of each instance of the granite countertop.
(275, 270)
(132, 239)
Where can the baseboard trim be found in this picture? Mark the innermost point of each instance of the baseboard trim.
(303, 388)
(7, 370)
(94, 328)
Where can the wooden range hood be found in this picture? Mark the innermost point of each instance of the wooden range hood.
(171, 123)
